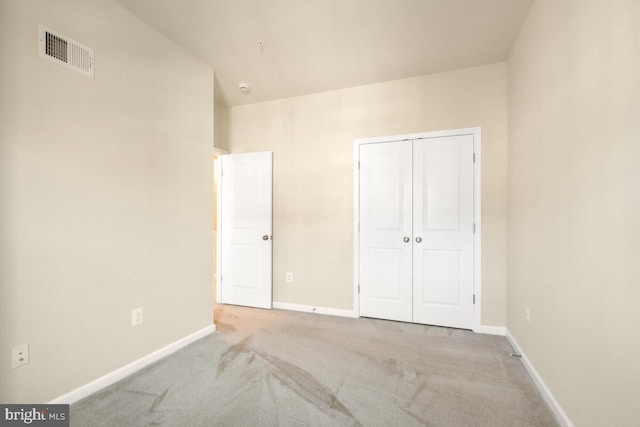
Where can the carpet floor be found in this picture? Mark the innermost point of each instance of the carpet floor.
(282, 368)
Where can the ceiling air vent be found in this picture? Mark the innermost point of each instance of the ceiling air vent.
(63, 50)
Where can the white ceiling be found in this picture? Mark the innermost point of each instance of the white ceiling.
(317, 45)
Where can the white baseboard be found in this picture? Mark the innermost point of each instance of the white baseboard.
(115, 376)
(559, 413)
(491, 330)
(311, 309)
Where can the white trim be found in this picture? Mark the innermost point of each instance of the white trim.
(218, 153)
(216, 226)
(318, 310)
(419, 135)
(477, 220)
(553, 403)
(491, 330)
(477, 210)
(120, 373)
(356, 226)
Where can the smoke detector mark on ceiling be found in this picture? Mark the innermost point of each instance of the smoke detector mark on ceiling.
(244, 88)
(63, 50)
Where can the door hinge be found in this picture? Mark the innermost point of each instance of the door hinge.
(358, 164)
(358, 227)
(358, 287)
(474, 157)
(474, 228)
(474, 298)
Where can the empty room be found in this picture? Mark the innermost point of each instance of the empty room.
(320, 212)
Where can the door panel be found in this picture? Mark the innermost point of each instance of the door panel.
(385, 220)
(385, 182)
(442, 272)
(441, 190)
(243, 277)
(443, 231)
(246, 217)
(385, 274)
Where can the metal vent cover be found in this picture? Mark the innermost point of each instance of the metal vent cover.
(63, 50)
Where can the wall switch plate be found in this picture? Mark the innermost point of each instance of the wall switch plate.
(19, 355)
(136, 316)
(289, 277)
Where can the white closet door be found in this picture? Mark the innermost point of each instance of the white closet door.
(385, 230)
(443, 231)
(246, 229)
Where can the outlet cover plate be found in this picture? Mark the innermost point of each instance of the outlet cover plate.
(136, 316)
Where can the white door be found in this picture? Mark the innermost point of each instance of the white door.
(443, 231)
(416, 230)
(246, 244)
(385, 230)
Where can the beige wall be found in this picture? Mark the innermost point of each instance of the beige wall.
(105, 192)
(312, 140)
(221, 126)
(574, 204)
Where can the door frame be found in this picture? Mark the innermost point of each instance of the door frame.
(218, 153)
(477, 205)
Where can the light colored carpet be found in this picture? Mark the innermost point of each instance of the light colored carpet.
(280, 368)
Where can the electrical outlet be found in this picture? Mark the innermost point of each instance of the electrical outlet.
(19, 355)
(289, 277)
(527, 313)
(136, 316)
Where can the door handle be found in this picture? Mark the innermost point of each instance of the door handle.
(418, 239)
(406, 239)
(266, 237)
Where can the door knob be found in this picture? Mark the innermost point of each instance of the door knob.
(418, 239)
(265, 237)
(406, 239)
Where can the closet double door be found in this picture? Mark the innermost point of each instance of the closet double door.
(416, 230)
